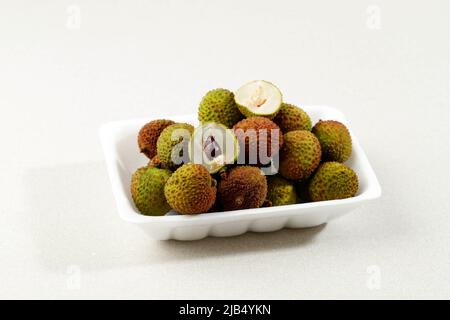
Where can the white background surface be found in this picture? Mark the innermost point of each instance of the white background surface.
(62, 77)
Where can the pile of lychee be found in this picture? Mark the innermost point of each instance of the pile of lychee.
(251, 150)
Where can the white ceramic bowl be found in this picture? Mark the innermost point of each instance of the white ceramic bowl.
(123, 158)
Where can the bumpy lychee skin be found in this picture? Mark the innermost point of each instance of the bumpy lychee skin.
(174, 140)
(243, 188)
(149, 134)
(335, 140)
(218, 106)
(333, 181)
(191, 190)
(292, 118)
(300, 155)
(256, 135)
(147, 190)
(281, 191)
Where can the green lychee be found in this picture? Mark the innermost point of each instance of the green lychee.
(281, 192)
(334, 139)
(191, 190)
(218, 106)
(173, 145)
(300, 155)
(292, 118)
(333, 181)
(147, 190)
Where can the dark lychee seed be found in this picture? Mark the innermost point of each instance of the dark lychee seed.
(212, 148)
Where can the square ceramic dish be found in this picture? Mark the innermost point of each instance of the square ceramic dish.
(123, 158)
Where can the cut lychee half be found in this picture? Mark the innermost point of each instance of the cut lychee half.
(214, 146)
(259, 98)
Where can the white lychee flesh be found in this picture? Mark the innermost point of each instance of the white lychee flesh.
(259, 98)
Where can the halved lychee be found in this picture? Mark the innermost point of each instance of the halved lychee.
(259, 98)
(214, 146)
